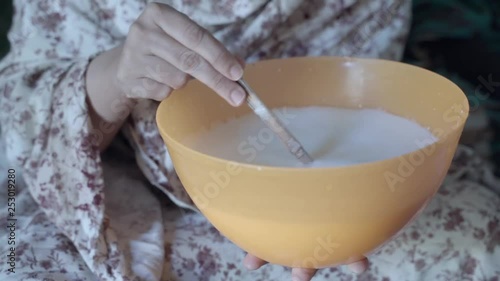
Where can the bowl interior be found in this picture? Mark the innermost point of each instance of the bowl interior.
(398, 88)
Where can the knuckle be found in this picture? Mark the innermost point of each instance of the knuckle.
(189, 61)
(223, 60)
(136, 34)
(220, 84)
(137, 92)
(179, 81)
(153, 9)
(149, 85)
(151, 72)
(135, 28)
(194, 34)
(163, 93)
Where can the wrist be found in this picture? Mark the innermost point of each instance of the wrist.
(108, 106)
(105, 97)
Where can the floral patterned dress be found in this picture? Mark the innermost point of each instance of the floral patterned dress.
(124, 215)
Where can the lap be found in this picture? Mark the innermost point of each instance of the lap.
(42, 252)
(457, 237)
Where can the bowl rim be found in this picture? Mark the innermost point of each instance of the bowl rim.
(270, 168)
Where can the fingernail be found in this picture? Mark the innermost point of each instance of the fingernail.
(237, 96)
(358, 267)
(296, 278)
(250, 266)
(236, 72)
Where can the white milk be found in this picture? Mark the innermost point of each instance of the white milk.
(332, 136)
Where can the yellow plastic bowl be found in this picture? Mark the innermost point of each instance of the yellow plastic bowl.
(317, 217)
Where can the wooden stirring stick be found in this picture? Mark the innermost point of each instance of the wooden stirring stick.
(275, 124)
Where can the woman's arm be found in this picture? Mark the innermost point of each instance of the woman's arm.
(163, 49)
(108, 106)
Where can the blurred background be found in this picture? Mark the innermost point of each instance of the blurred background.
(5, 19)
(459, 39)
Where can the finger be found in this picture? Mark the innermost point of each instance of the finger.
(252, 262)
(359, 266)
(146, 88)
(199, 40)
(193, 64)
(163, 72)
(303, 274)
(241, 61)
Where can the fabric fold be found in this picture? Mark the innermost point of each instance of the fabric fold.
(48, 133)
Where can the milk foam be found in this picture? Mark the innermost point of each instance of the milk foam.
(332, 136)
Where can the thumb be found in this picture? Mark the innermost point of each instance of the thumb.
(252, 262)
(359, 266)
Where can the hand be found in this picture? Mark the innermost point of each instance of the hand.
(164, 49)
(302, 274)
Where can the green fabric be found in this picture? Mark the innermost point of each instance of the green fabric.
(441, 20)
(455, 19)
(5, 21)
